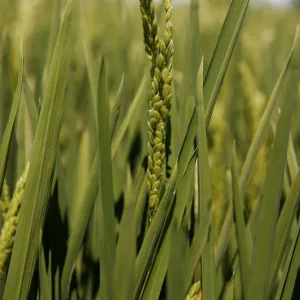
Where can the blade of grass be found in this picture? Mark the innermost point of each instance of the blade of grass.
(107, 221)
(286, 267)
(242, 232)
(263, 125)
(284, 227)
(174, 132)
(81, 220)
(141, 201)
(20, 135)
(224, 237)
(204, 193)
(229, 293)
(39, 181)
(253, 218)
(5, 141)
(32, 107)
(288, 289)
(81, 179)
(175, 275)
(54, 29)
(158, 272)
(228, 37)
(104, 205)
(155, 235)
(126, 248)
(258, 139)
(192, 39)
(196, 249)
(115, 109)
(223, 51)
(216, 72)
(264, 243)
(133, 110)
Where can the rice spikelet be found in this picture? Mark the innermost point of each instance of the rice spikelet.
(160, 51)
(5, 198)
(10, 221)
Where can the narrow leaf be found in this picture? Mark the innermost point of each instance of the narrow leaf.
(134, 109)
(155, 235)
(5, 141)
(126, 248)
(242, 231)
(263, 125)
(223, 51)
(204, 193)
(292, 272)
(107, 220)
(81, 219)
(40, 176)
(284, 226)
(175, 275)
(264, 243)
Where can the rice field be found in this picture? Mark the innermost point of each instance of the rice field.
(149, 150)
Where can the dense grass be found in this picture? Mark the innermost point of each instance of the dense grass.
(195, 197)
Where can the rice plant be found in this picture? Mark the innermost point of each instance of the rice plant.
(149, 151)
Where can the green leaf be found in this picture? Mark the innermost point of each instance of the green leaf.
(53, 34)
(227, 226)
(193, 42)
(20, 135)
(258, 139)
(263, 125)
(40, 176)
(212, 84)
(229, 293)
(243, 234)
(32, 107)
(224, 48)
(80, 223)
(160, 265)
(286, 266)
(158, 272)
(215, 74)
(107, 219)
(268, 215)
(154, 237)
(196, 250)
(5, 141)
(126, 248)
(115, 109)
(141, 200)
(292, 271)
(81, 180)
(176, 270)
(284, 226)
(204, 193)
(133, 111)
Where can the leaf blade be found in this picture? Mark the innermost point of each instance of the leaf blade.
(40, 176)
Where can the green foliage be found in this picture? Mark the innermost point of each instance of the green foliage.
(172, 178)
